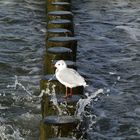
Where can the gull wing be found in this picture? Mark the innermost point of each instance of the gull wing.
(71, 76)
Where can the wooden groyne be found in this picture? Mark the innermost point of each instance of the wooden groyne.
(59, 121)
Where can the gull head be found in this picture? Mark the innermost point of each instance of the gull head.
(60, 65)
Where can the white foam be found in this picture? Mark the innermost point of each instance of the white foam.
(82, 103)
(17, 83)
(14, 133)
(112, 73)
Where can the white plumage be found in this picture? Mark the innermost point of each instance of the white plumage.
(68, 77)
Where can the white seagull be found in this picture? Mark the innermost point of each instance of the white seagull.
(68, 77)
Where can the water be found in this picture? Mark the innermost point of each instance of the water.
(108, 57)
(22, 26)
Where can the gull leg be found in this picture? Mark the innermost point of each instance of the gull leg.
(70, 91)
(66, 94)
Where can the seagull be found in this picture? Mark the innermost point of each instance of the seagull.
(68, 77)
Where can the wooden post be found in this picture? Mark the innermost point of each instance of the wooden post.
(59, 15)
(58, 113)
(58, 6)
(61, 23)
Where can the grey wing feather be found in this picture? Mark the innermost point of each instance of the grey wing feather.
(71, 76)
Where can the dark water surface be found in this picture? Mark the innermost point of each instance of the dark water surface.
(108, 56)
(22, 24)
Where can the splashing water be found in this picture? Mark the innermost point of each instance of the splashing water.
(52, 94)
(14, 133)
(82, 103)
(17, 83)
(54, 100)
(82, 113)
(52, 77)
(62, 108)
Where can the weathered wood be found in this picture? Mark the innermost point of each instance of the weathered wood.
(58, 6)
(59, 15)
(62, 126)
(50, 1)
(57, 111)
(69, 42)
(61, 23)
(57, 32)
(53, 54)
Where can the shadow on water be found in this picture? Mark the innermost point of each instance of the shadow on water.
(108, 56)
